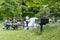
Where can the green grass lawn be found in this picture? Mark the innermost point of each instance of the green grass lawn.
(51, 32)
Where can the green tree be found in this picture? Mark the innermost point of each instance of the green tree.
(10, 8)
(44, 10)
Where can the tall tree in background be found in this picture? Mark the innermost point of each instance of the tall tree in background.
(53, 5)
(10, 8)
(28, 9)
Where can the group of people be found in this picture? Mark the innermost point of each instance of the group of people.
(14, 23)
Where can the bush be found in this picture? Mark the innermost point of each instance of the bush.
(1, 18)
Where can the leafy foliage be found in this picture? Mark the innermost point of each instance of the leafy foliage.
(38, 8)
(53, 5)
(10, 8)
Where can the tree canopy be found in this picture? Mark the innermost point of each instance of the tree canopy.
(10, 8)
(37, 8)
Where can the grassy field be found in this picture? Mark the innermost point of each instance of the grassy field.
(51, 32)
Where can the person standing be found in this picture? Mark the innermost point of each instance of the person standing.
(27, 21)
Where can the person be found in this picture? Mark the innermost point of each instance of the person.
(53, 19)
(27, 21)
(6, 23)
(22, 22)
(14, 21)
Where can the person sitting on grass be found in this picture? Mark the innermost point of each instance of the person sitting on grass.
(6, 24)
(14, 25)
(22, 22)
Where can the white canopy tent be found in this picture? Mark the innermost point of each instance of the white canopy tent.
(32, 22)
